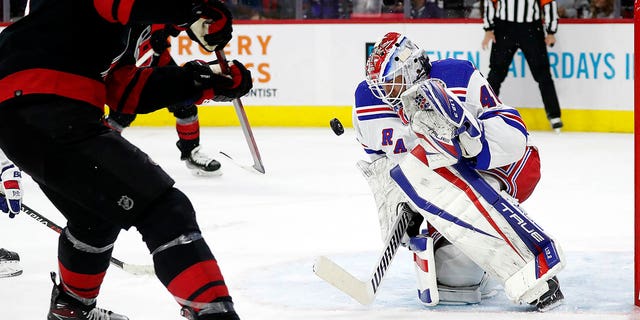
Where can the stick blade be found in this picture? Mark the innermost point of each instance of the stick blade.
(335, 275)
(138, 270)
(259, 167)
(256, 168)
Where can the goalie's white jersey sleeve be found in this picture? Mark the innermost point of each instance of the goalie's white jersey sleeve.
(378, 127)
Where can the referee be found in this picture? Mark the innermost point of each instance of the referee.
(513, 24)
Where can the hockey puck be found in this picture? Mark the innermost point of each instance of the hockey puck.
(336, 126)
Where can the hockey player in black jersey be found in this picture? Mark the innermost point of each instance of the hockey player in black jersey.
(58, 69)
(148, 48)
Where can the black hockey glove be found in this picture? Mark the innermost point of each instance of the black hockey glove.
(159, 35)
(213, 28)
(226, 87)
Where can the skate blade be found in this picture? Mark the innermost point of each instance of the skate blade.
(551, 306)
(202, 173)
(10, 269)
(489, 294)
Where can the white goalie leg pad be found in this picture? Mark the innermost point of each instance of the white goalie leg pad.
(386, 193)
(494, 233)
(423, 263)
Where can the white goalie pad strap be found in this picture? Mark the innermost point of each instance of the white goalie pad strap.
(386, 193)
(494, 233)
(459, 295)
(466, 295)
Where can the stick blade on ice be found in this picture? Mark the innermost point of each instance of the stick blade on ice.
(139, 270)
(335, 275)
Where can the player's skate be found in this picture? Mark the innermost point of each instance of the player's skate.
(9, 264)
(222, 310)
(551, 298)
(201, 164)
(65, 307)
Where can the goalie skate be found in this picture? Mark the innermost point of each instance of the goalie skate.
(552, 298)
(200, 164)
(9, 264)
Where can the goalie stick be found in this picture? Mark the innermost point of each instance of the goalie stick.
(365, 291)
(244, 121)
(129, 268)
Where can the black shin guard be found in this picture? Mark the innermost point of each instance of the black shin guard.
(182, 259)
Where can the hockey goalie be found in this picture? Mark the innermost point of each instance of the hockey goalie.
(443, 146)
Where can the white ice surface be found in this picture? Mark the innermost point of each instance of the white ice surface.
(266, 230)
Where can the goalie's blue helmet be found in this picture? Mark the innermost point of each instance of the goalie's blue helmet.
(395, 64)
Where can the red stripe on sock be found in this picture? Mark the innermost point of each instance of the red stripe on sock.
(188, 131)
(196, 277)
(83, 285)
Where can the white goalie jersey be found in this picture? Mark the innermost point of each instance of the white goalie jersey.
(505, 153)
(381, 133)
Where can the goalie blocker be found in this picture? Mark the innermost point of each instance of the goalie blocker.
(490, 229)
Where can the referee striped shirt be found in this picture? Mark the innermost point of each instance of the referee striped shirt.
(521, 11)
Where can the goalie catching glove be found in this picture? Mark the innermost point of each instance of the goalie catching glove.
(438, 115)
(216, 85)
(213, 28)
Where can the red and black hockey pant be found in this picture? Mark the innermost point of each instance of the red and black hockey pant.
(102, 183)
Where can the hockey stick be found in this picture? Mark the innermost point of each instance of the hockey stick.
(364, 291)
(244, 121)
(245, 167)
(129, 268)
(257, 167)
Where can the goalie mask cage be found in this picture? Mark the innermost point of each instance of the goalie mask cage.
(636, 28)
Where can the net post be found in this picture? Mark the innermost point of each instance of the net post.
(636, 27)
